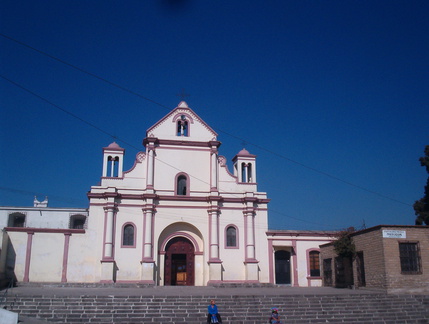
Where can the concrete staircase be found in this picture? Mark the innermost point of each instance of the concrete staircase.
(353, 308)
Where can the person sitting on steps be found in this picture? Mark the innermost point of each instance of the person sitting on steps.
(213, 315)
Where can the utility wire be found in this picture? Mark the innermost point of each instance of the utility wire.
(168, 108)
(132, 146)
(84, 71)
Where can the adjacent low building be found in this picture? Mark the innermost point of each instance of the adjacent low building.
(395, 258)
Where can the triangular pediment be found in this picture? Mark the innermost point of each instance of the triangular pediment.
(193, 129)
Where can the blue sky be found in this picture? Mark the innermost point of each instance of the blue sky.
(332, 97)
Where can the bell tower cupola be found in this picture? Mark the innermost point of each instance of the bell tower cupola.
(113, 159)
(245, 166)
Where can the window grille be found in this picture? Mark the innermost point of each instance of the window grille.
(409, 254)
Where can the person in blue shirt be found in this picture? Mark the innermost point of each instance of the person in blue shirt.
(213, 315)
(275, 318)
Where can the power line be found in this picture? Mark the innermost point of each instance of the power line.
(168, 108)
(132, 146)
(84, 71)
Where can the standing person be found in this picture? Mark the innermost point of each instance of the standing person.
(213, 315)
(275, 317)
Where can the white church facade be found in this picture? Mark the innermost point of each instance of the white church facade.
(177, 217)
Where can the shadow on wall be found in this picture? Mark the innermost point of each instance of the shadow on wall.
(7, 263)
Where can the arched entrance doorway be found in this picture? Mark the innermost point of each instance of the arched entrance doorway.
(179, 262)
(282, 261)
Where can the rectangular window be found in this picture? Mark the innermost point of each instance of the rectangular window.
(409, 254)
(16, 220)
(314, 264)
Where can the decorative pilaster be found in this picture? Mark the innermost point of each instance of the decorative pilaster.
(148, 214)
(252, 273)
(108, 252)
(148, 269)
(108, 265)
(150, 162)
(214, 167)
(215, 263)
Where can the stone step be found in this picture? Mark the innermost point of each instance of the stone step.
(234, 309)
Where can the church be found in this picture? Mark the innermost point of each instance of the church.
(179, 216)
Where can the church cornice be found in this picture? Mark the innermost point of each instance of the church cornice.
(158, 142)
(209, 198)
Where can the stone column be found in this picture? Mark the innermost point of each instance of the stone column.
(214, 169)
(109, 228)
(150, 163)
(108, 266)
(252, 272)
(148, 269)
(148, 212)
(215, 264)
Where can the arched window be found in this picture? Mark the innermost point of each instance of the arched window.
(314, 261)
(181, 185)
(182, 126)
(113, 166)
(246, 172)
(128, 235)
(231, 236)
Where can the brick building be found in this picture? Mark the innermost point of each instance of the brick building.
(391, 257)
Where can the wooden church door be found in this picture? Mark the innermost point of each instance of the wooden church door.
(179, 263)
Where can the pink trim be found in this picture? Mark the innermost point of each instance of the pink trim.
(179, 115)
(251, 261)
(104, 235)
(106, 210)
(65, 257)
(188, 189)
(180, 148)
(237, 241)
(210, 234)
(179, 234)
(28, 256)
(210, 282)
(136, 161)
(177, 198)
(245, 235)
(295, 264)
(134, 238)
(180, 110)
(299, 240)
(107, 281)
(148, 211)
(45, 230)
(299, 233)
(214, 261)
(271, 261)
(309, 277)
(107, 259)
(150, 282)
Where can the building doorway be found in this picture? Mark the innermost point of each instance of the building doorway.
(282, 265)
(179, 262)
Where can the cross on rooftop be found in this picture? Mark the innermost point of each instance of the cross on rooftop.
(183, 94)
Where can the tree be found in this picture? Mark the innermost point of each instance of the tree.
(421, 207)
(343, 245)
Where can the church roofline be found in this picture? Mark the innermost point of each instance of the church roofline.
(183, 107)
